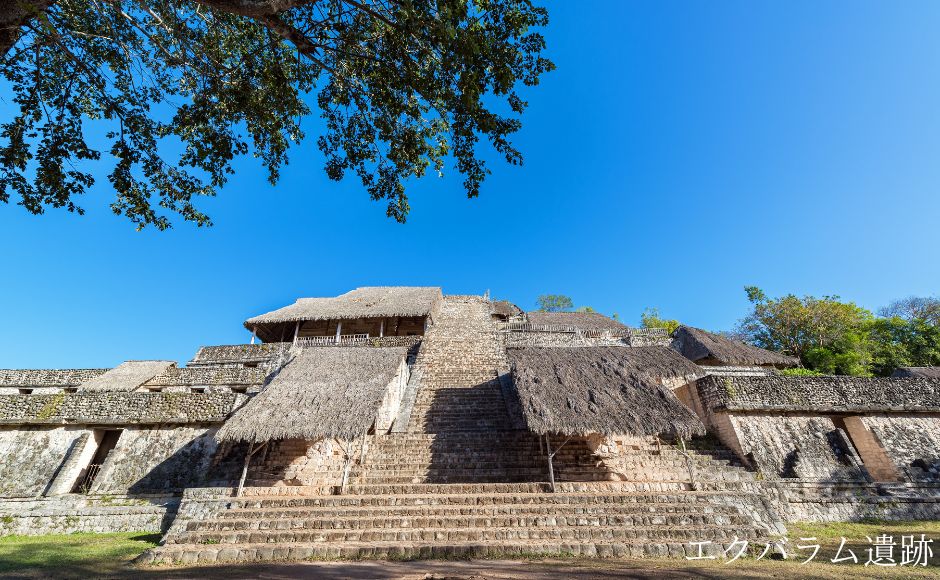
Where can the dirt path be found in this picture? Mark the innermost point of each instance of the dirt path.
(537, 570)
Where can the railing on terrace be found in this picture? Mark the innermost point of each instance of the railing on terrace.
(331, 340)
(559, 328)
(530, 327)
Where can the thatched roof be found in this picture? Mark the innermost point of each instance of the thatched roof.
(47, 377)
(605, 390)
(127, 376)
(322, 392)
(366, 302)
(706, 348)
(820, 395)
(926, 372)
(592, 321)
(504, 308)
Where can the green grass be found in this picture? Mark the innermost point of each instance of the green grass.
(107, 556)
(858, 530)
(72, 555)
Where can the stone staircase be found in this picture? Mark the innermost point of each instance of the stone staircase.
(459, 481)
(610, 519)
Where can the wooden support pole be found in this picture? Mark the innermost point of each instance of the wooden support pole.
(296, 331)
(688, 462)
(347, 464)
(381, 328)
(551, 468)
(254, 334)
(241, 481)
(339, 329)
(362, 449)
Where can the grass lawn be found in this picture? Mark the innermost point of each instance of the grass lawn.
(71, 555)
(108, 555)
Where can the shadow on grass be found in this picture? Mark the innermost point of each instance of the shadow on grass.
(536, 569)
(71, 555)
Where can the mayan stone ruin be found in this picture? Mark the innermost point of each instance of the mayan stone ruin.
(401, 422)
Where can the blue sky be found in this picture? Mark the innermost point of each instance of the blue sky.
(681, 151)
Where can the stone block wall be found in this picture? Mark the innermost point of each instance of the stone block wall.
(299, 462)
(86, 513)
(795, 447)
(158, 459)
(913, 443)
(116, 408)
(240, 355)
(46, 460)
(830, 394)
(32, 456)
(391, 403)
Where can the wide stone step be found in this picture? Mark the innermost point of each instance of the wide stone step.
(458, 516)
(462, 522)
(681, 533)
(192, 554)
(480, 494)
(248, 516)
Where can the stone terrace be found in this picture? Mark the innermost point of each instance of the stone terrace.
(462, 477)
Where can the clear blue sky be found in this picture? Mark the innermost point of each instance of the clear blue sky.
(681, 151)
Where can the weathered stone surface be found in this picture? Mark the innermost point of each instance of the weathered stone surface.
(47, 377)
(158, 459)
(795, 446)
(116, 408)
(206, 376)
(820, 394)
(31, 457)
(913, 443)
(264, 355)
(86, 513)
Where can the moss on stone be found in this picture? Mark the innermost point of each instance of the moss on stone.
(52, 407)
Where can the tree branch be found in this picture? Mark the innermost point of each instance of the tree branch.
(254, 8)
(14, 15)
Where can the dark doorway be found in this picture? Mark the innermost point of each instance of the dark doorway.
(108, 440)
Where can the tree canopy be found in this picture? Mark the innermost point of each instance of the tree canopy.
(914, 308)
(554, 303)
(836, 337)
(167, 94)
(650, 318)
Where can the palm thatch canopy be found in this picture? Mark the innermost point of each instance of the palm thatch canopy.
(603, 390)
(504, 309)
(926, 372)
(590, 321)
(127, 376)
(365, 302)
(711, 349)
(321, 392)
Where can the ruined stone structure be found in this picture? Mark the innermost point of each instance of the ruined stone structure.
(402, 422)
